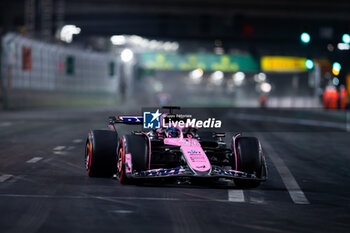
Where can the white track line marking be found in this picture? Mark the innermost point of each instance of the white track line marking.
(34, 159)
(5, 177)
(298, 197)
(288, 179)
(60, 152)
(59, 147)
(78, 140)
(236, 195)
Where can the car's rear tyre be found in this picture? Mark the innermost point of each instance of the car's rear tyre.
(137, 146)
(249, 159)
(100, 148)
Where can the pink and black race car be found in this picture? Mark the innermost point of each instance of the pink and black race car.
(184, 153)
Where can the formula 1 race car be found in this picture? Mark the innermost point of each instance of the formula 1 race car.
(184, 153)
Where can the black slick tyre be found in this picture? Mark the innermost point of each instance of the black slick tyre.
(249, 159)
(100, 153)
(137, 146)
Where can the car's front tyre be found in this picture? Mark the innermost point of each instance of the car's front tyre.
(248, 159)
(100, 148)
(137, 147)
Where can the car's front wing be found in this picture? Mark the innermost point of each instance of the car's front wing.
(182, 171)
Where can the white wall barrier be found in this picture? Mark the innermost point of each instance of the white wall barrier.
(36, 73)
(51, 67)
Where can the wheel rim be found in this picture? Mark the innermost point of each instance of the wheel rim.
(120, 161)
(87, 157)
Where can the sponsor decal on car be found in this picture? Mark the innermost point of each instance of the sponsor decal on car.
(194, 152)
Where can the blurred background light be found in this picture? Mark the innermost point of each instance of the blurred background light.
(196, 74)
(335, 81)
(343, 46)
(127, 55)
(219, 50)
(261, 77)
(346, 38)
(305, 37)
(238, 78)
(68, 31)
(336, 68)
(118, 40)
(265, 87)
(309, 64)
(335, 72)
(143, 43)
(217, 77)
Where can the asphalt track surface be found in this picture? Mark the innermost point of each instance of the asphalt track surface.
(44, 187)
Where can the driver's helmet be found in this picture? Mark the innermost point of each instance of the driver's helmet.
(172, 132)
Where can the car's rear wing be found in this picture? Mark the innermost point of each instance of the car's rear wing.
(131, 120)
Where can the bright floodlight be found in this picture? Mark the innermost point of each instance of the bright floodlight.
(343, 46)
(138, 41)
(346, 38)
(305, 37)
(217, 77)
(309, 64)
(196, 74)
(127, 55)
(261, 77)
(238, 78)
(118, 40)
(68, 31)
(265, 87)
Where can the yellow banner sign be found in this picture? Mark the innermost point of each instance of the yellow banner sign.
(283, 64)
